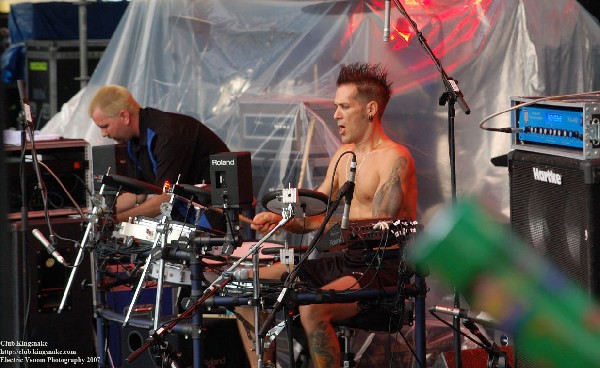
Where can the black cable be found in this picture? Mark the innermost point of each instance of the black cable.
(329, 198)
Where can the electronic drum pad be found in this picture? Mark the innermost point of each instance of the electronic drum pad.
(130, 184)
(310, 202)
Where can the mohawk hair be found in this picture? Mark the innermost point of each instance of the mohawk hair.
(371, 81)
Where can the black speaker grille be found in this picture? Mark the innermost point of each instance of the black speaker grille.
(557, 219)
(42, 283)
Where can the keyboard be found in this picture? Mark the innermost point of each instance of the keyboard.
(367, 234)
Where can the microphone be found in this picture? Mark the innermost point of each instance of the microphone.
(240, 274)
(464, 314)
(459, 97)
(349, 193)
(53, 252)
(386, 22)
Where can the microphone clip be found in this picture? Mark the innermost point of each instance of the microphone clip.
(51, 248)
(347, 190)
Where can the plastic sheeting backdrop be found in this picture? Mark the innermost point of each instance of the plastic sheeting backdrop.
(261, 73)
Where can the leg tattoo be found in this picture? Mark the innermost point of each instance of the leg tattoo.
(324, 347)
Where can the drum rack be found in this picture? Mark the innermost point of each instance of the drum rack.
(187, 327)
(191, 248)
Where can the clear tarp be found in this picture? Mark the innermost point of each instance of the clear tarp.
(261, 73)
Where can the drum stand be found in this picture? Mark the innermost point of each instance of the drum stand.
(289, 197)
(282, 300)
(198, 298)
(156, 251)
(287, 214)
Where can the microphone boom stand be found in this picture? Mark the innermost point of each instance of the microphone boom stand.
(26, 125)
(451, 96)
(92, 220)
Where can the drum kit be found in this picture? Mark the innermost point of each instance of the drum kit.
(180, 255)
(201, 260)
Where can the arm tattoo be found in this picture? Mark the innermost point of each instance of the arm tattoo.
(388, 199)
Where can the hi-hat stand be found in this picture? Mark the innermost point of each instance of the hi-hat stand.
(289, 199)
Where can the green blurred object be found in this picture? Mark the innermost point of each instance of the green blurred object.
(551, 319)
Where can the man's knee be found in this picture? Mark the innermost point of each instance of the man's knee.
(313, 314)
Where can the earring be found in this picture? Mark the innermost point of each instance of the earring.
(370, 118)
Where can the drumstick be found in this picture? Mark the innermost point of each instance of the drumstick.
(242, 217)
(219, 210)
(311, 129)
(246, 220)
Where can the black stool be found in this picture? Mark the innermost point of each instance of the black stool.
(378, 318)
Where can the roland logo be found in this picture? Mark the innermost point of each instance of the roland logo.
(223, 162)
(547, 176)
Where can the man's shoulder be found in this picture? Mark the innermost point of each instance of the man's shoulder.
(394, 156)
(151, 111)
(154, 114)
(167, 123)
(153, 118)
(342, 149)
(396, 150)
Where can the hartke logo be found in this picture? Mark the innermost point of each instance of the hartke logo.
(547, 176)
(223, 162)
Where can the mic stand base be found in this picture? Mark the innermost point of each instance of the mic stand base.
(420, 330)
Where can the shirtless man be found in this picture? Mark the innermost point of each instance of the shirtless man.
(385, 186)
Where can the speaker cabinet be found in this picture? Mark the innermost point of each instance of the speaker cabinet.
(9, 288)
(42, 283)
(133, 338)
(222, 345)
(555, 208)
(122, 341)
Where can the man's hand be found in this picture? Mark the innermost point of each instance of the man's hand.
(265, 222)
(150, 207)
